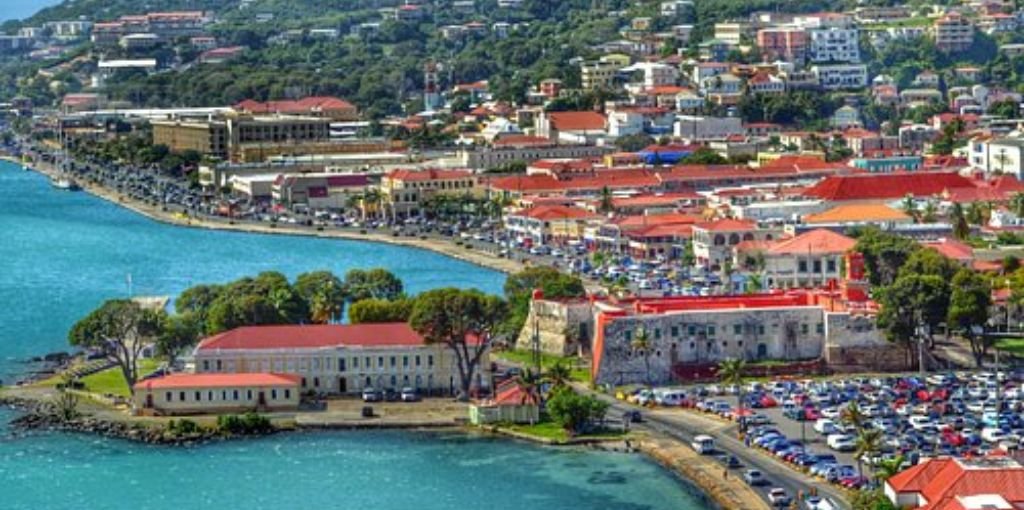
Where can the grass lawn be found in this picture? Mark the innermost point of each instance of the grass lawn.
(552, 431)
(1013, 346)
(112, 381)
(525, 358)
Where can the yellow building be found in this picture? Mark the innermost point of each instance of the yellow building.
(406, 191)
(223, 136)
(338, 359)
(217, 393)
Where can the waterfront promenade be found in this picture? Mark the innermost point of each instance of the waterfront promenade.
(170, 216)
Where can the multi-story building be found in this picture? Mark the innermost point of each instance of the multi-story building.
(731, 33)
(406, 191)
(68, 29)
(834, 45)
(695, 127)
(842, 76)
(811, 259)
(948, 483)
(783, 43)
(713, 242)
(654, 74)
(953, 33)
(223, 137)
(329, 107)
(1003, 155)
(602, 73)
(319, 190)
(547, 225)
(338, 359)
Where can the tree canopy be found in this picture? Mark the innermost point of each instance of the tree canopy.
(120, 329)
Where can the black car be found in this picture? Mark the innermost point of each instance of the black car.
(632, 417)
(391, 395)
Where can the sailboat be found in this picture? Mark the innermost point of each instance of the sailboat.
(62, 180)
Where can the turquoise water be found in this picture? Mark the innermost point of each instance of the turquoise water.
(64, 253)
(19, 9)
(61, 254)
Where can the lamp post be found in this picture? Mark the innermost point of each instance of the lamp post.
(922, 335)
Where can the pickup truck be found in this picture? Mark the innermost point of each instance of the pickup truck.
(778, 498)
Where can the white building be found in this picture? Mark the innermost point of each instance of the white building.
(842, 76)
(697, 127)
(834, 45)
(655, 74)
(1004, 155)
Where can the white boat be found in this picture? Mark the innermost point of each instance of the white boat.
(65, 183)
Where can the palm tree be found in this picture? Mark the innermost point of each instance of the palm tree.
(323, 309)
(558, 375)
(730, 372)
(529, 386)
(606, 205)
(868, 442)
(909, 206)
(961, 230)
(887, 468)
(930, 212)
(853, 415)
(1017, 204)
(642, 343)
(370, 198)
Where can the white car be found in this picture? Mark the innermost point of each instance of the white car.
(825, 426)
(841, 442)
(992, 435)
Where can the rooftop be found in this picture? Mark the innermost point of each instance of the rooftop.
(312, 337)
(815, 241)
(887, 186)
(856, 213)
(175, 381)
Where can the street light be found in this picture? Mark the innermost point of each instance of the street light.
(922, 333)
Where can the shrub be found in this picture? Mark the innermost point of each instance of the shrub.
(574, 412)
(248, 423)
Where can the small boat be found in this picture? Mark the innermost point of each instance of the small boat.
(65, 183)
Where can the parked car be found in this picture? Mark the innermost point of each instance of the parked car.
(778, 497)
(371, 395)
(410, 395)
(754, 477)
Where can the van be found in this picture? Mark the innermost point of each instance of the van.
(703, 445)
(672, 398)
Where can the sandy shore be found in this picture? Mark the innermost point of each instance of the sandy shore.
(446, 248)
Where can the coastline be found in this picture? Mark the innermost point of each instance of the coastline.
(155, 213)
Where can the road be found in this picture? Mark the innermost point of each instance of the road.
(684, 425)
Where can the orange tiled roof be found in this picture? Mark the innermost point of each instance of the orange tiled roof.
(857, 212)
(577, 121)
(816, 241)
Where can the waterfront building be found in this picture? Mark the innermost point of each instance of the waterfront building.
(713, 242)
(223, 137)
(318, 106)
(407, 191)
(548, 224)
(216, 393)
(338, 358)
(319, 190)
(886, 187)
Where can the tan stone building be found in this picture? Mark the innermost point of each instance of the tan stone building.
(406, 191)
(338, 359)
(223, 137)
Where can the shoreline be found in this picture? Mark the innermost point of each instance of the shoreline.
(448, 249)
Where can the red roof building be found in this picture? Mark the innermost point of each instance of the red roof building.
(314, 336)
(959, 484)
(179, 381)
(317, 106)
(884, 187)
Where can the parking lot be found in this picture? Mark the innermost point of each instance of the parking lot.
(817, 426)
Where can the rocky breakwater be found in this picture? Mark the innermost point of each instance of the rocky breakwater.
(44, 415)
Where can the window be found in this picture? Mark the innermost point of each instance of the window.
(169, 396)
(316, 382)
(248, 394)
(273, 394)
(235, 395)
(691, 330)
(380, 361)
(394, 381)
(430, 360)
(817, 266)
(760, 329)
(206, 365)
(674, 331)
(417, 360)
(181, 396)
(287, 394)
(199, 396)
(711, 330)
(804, 329)
(341, 364)
(393, 361)
(737, 329)
(355, 362)
(801, 266)
(219, 365)
(316, 363)
(405, 361)
(657, 334)
(819, 328)
(831, 265)
(368, 365)
(224, 395)
(629, 336)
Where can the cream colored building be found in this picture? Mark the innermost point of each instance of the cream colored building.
(217, 393)
(338, 359)
(405, 191)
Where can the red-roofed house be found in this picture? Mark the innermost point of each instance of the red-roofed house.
(572, 127)
(886, 187)
(512, 403)
(549, 224)
(980, 483)
(217, 393)
(810, 259)
(337, 358)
